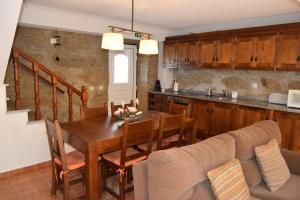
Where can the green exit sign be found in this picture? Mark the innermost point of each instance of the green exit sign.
(138, 35)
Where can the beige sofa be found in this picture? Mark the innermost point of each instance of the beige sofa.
(179, 174)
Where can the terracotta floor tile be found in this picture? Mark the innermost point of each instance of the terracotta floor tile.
(9, 193)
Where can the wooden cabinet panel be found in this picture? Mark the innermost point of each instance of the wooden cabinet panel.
(170, 55)
(245, 48)
(225, 53)
(208, 53)
(201, 112)
(161, 103)
(265, 52)
(246, 116)
(221, 118)
(193, 54)
(182, 51)
(289, 124)
(288, 51)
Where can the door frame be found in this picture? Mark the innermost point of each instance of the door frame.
(110, 75)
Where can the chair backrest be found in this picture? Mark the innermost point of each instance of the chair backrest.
(89, 113)
(134, 134)
(56, 144)
(170, 125)
(115, 107)
(176, 108)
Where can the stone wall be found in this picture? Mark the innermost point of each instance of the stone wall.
(81, 62)
(243, 81)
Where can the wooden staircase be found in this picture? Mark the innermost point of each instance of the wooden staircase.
(53, 79)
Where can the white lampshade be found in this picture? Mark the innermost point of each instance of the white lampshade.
(148, 47)
(112, 41)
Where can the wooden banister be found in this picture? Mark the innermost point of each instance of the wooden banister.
(55, 79)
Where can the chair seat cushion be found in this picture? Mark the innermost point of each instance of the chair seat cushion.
(289, 191)
(115, 157)
(145, 145)
(74, 159)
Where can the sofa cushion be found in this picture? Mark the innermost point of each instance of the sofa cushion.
(228, 181)
(272, 165)
(140, 180)
(290, 191)
(173, 173)
(247, 139)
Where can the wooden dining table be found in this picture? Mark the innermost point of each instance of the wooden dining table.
(94, 137)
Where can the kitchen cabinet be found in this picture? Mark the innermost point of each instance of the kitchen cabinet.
(188, 55)
(245, 48)
(161, 103)
(207, 53)
(265, 47)
(288, 51)
(221, 118)
(289, 124)
(225, 53)
(182, 54)
(170, 55)
(201, 112)
(212, 118)
(274, 47)
(246, 116)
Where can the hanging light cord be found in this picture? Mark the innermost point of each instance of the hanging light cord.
(132, 13)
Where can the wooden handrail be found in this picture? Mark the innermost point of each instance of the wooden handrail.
(40, 76)
(55, 79)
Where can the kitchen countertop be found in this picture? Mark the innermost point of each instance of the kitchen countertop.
(240, 101)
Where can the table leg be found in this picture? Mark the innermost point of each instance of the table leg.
(92, 173)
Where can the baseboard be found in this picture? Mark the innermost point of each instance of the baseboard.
(25, 169)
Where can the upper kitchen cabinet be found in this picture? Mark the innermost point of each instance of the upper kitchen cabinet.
(288, 51)
(188, 54)
(274, 47)
(256, 52)
(265, 47)
(225, 53)
(170, 55)
(245, 50)
(207, 53)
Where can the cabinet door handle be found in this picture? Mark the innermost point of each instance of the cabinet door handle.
(251, 58)
(213, 59)
(217, 59)
(255, 58)
(298, 58)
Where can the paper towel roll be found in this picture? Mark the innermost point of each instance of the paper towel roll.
(175, 87)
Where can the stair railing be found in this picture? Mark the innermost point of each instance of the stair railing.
(55, 79)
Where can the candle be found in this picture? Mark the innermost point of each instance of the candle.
(137, 101)
(122, 104)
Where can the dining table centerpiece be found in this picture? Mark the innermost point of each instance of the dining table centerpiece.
(128, 113)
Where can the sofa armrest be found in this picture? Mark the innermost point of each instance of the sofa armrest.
(140, 180)
(292, 160)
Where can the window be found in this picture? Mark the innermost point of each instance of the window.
(120, 68)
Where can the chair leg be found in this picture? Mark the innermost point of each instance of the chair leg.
(67, 195)
(54, 183)
(122, 184)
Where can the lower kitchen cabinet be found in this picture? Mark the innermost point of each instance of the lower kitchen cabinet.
(289, 124)
(201, 112)
(160, 102)
(221, 118)
(246, 116)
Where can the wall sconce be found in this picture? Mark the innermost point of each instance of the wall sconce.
(55, 40)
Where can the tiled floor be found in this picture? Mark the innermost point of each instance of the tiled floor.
(36, 185)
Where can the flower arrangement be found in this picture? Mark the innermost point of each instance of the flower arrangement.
(128, 112)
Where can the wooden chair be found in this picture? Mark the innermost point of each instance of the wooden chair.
(67, 169)
(176, 108)
(114, 107)
(170, 133)
(89, 113)
(122, 160)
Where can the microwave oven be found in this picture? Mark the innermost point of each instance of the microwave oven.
(294, 99)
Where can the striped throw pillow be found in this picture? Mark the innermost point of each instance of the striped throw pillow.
(272, 165)
(228, 182)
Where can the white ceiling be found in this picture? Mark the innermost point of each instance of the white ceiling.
(178, 14)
